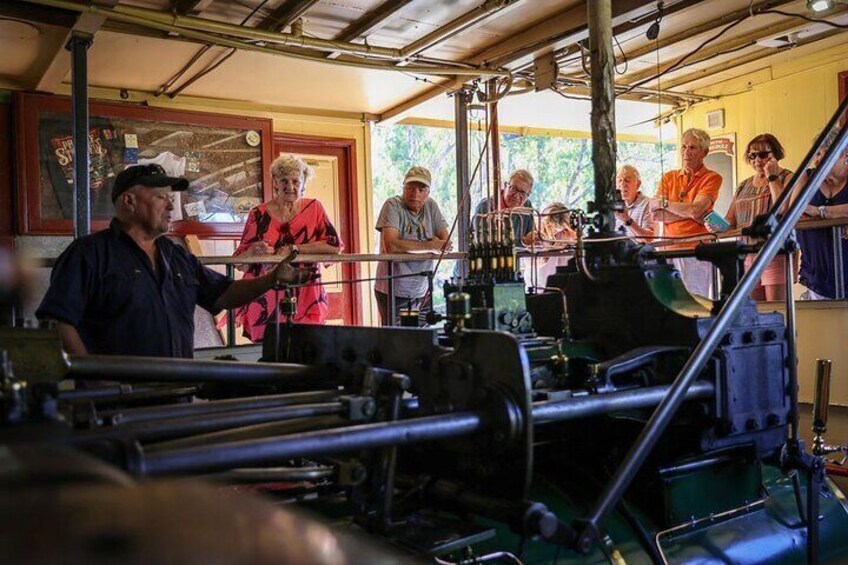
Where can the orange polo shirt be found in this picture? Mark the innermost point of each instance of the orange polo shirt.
(676, 186)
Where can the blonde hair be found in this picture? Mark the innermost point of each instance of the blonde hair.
(286, 164)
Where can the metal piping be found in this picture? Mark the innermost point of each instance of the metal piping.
(168, 428)
(599, 404)
(78, 46)
(159, 369)
(244, 32)
(211, 38)
(310, 444)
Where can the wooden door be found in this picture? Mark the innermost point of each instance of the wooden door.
(334, 184)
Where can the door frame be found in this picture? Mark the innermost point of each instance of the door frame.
(345, 149)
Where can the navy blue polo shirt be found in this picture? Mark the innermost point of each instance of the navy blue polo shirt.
(104, 286)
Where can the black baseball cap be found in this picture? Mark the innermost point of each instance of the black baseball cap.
(145, 175)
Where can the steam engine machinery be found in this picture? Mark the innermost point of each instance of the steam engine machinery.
(485, 441)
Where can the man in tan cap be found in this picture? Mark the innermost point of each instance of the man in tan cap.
(408, 223)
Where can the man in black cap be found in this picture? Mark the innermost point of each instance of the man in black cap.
(128, 291)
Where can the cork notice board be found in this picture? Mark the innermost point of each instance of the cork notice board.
(225, 159)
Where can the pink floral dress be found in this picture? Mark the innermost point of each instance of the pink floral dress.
(310, 224)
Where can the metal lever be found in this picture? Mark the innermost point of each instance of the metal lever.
(822, 395)
(821, 401)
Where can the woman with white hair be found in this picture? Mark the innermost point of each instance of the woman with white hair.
(288, 222)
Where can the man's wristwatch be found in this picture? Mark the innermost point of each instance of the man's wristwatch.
(822, 211)
(772, 178)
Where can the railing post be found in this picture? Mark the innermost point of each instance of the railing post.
(231, 322)
(838, 267)
(390, 287)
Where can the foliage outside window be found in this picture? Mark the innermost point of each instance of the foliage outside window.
(561, 166)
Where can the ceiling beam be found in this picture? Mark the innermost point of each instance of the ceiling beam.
(369, 21)
(759, 55)
(285, 14)
(782, 27)
(60, 63)
(462, 23)
(568, 26)
(708, 26)
(19, 10)
(183, 7)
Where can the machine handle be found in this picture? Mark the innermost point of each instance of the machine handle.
(822, 395)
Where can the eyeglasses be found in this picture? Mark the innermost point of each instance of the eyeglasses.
(758, 154)
(515, 190)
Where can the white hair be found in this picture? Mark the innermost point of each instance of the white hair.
(286, 164)
(630, 169)
(699, 134)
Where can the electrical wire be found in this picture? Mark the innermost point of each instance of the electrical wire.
(623, 56)
(803, 17)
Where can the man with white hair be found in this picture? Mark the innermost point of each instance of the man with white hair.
(683, 198)
(635, 219)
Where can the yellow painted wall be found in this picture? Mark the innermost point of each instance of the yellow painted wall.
(288, 120)
(793, 99)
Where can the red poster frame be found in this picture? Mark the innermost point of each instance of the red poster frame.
(28, 106)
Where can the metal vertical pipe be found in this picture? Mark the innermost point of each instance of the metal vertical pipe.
(390, 288)
(231, 322)
(602, 61)
(838, 267)
(495, 146)
(792, 359)
(463, 204)
(78, 46)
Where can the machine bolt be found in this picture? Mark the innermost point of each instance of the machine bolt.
(748, 337)
(769, 335)
(369, 408)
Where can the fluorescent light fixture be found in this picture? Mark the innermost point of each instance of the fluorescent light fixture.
(819, 5)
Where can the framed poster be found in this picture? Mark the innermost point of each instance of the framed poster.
(722, 159)
(225, 158)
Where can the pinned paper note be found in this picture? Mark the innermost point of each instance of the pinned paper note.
(194, 209)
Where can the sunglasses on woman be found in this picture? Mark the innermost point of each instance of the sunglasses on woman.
(761, 154)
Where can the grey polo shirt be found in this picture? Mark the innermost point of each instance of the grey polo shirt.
(415, 227)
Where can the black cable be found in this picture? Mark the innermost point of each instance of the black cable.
(803, 17)
(686, 57)
(623, 56)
